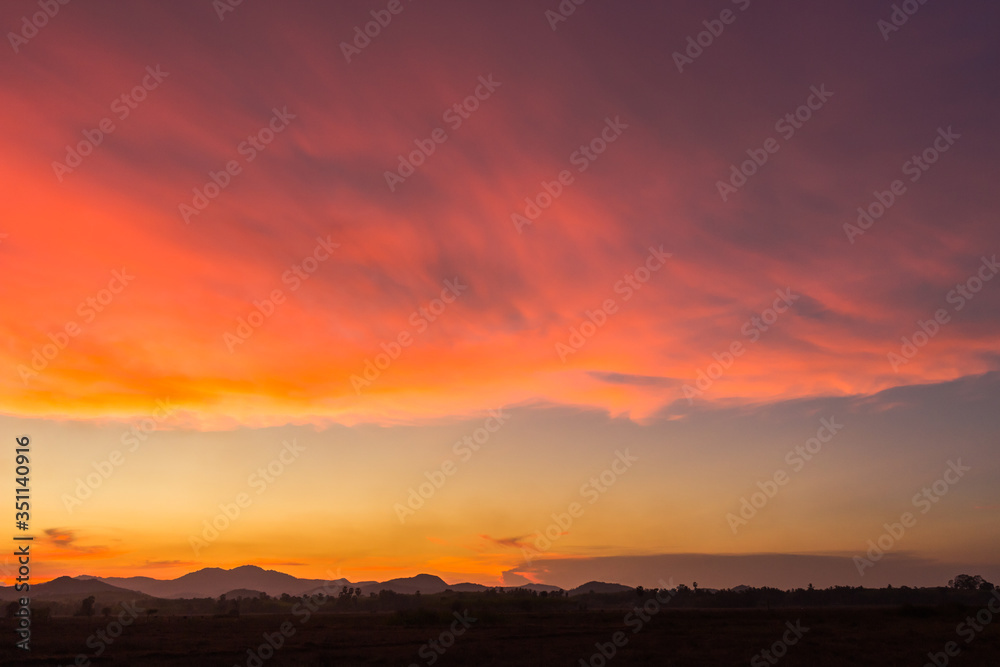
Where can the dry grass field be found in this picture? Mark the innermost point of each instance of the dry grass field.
(679, 638)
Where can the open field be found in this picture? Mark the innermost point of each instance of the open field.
(678, 638)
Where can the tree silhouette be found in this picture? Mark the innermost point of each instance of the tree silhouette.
(87, 607)
(967, 582)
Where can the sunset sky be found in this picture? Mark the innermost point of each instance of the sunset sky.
(501, 249)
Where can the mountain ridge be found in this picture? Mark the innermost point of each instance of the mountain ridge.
(211, 582)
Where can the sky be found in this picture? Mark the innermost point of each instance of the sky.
(504, 292)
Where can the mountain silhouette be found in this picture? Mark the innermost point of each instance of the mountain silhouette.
(251, 581)
(68, 588)
(213, 582)
(598, 587)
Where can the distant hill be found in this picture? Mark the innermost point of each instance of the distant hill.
(427, 584)
(468, 588)
(251, 581)
(213, 582)
(479, 588)
(242, 593)
(599, 587)
(68, 588)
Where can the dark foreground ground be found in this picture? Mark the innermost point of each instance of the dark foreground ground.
(681, 638)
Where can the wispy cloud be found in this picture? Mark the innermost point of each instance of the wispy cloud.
(515, 542)
(635, 380)
(66, 540)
